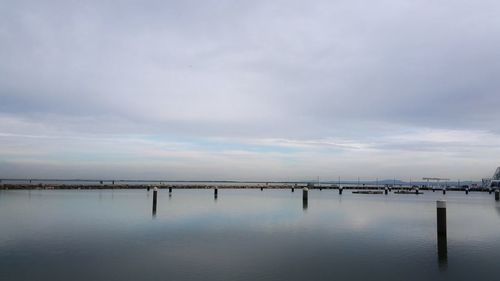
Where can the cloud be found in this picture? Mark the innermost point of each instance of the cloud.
(286, 81)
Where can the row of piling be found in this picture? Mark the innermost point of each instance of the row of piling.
(441, 223)
(305, 195)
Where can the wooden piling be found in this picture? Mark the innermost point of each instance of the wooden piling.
(305, 198)
(466, 191)
(442, 240)
(340, 190)
(215, 193)
(444, 190)
(441, 217)
(155, 195)
(386, 190)
(169, 189)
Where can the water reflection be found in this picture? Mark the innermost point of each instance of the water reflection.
(442, 244)
(248, 234)
(497, 208)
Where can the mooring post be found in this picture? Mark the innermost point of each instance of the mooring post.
(416, 190)
(466, 190)
(489, 190)
(497, 195)
(155, 195)
(444, 190)
(170, 189)
(386, 190)
(261, 188)
(442, 240)
(441, 217)
(340, 190)
(148, 188)
(304, 197)
(215, 192)
(293, 189)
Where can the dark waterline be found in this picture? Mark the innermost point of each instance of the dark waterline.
(245, 235)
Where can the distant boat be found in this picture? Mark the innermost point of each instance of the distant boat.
(367, 192)
(408, 192)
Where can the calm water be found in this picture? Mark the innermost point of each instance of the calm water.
(244, 235)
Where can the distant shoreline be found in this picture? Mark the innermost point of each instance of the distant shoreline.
(42, 186)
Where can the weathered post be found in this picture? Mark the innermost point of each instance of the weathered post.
(148, 188)
(215, 193)
(340, 190)
(386, 190)
(444, 190)
(155, 195)
(170, 189)
(261, 188)
(466, 191)
(497, 194)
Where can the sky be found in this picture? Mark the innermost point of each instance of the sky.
(249, 90)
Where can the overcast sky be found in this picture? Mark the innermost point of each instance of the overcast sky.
(249, 90)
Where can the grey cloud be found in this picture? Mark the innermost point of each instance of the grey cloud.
(359, 70)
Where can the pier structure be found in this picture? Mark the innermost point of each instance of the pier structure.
(437, 181)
